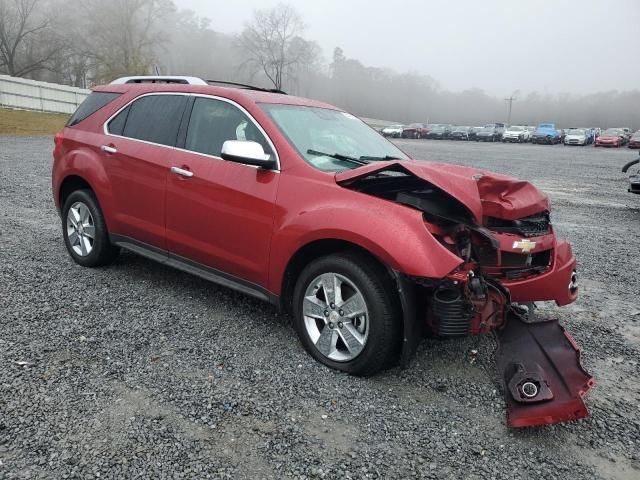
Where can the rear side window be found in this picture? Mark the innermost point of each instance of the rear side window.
(94, 102)
(154, 118)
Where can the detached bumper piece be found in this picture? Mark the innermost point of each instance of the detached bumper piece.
(541, 368)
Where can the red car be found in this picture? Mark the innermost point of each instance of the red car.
(415, 130)
(634, 141)
(301, 204)
(611, 137)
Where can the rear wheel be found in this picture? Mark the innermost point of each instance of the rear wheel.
(346, 315)
(85, 231)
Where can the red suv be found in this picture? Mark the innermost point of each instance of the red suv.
(301, 204)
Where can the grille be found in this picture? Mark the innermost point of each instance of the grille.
(532, 226)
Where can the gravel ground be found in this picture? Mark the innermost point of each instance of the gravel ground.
(137, 370)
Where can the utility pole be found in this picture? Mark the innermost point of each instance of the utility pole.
(510, 100)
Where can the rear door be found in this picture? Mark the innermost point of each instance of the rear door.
(137, 160)
(220, 214)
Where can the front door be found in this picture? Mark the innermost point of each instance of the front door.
(220, 213)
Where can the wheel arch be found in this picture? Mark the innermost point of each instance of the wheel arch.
(316, 249)
(404, 289)
(70, 184)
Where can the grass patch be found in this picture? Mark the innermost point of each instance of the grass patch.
(23, 122)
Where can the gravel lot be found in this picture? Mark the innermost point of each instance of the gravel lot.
(137, 370)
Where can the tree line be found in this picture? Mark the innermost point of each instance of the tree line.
(94, 41)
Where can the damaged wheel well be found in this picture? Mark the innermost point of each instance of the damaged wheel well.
(321, 248)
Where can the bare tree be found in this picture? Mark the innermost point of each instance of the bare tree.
(273, 44)
(121, 37)
(27, 40)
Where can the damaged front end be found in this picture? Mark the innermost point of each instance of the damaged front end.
(509, 257)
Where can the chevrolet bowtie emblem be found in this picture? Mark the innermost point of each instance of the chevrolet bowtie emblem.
(525, 245)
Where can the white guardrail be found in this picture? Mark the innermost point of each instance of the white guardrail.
(27, 94)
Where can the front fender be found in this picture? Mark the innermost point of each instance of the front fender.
(393, 233)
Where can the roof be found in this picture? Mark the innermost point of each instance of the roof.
(237, 94)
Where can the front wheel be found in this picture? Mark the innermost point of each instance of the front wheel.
(346, 314)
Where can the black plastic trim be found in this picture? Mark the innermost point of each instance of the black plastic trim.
(195, 268)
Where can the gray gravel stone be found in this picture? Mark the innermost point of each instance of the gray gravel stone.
(136, 370)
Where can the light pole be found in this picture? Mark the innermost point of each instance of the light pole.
(510, 100)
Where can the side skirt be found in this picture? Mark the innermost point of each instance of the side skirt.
(195, 268)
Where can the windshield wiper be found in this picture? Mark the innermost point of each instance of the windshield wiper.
(373, 158)
(338, 156)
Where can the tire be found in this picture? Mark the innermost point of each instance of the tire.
(378, 330)
(81, 218)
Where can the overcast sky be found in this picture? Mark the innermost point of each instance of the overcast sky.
(551, 46)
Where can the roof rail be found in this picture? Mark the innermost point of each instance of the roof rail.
(248, 87)
(159, 79)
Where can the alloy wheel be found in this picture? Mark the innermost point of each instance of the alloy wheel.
(336, 317)
(81, 230)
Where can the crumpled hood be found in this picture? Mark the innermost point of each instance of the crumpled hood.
(484, 193)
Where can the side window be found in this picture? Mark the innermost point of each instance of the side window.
(154, 118)
(213, 122)
(116, 125)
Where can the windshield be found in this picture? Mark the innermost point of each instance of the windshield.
(576, 131)
(316, 131)
(487, 129)
(612, 131)
(546, 125)
(516, 129)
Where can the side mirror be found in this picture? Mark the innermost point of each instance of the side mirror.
(247, 152)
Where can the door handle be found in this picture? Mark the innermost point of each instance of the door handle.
(108, 149)
(182, 172)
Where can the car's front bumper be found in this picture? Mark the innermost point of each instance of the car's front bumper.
(557, 284)
(512, 138)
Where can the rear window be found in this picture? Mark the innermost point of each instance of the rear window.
(94, 102)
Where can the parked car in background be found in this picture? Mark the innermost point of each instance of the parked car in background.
(460, 133)
(394, 131)
(546, 133)
(531, 129)
(488, 133)
(473, 131)
(634, 178)
(627, 132)
(611, 137)
(515, 133)
(634, 141)
(499, 127)
(439, 132)
(577, 136)
(415, 130)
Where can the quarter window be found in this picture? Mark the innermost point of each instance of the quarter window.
(213, 122)
(94, 102)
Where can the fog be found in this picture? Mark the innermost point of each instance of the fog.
(572, 63)
(548, 46)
